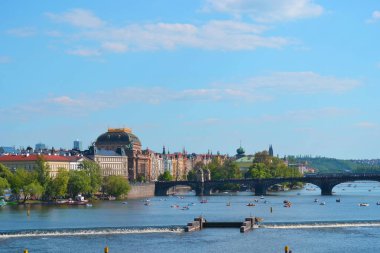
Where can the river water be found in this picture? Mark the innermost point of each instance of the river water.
(306, 226)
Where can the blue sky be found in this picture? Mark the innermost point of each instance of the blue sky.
(301, 75)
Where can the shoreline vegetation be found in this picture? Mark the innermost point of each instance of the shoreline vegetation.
(38, 186)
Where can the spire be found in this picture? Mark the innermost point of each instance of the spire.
(270, 150)
(163, 150)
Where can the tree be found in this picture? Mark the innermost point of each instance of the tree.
(116, 186)
(21, 184)
(3, 185)
(166, 176)
(192, 175)
(263, 157)
(79, 182)
(92, 169)
(42, 170)
(231, 170)
(57, 186)
(5, 172)
(34, 189)
(258, 170)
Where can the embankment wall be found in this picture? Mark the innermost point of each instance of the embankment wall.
(144, 190)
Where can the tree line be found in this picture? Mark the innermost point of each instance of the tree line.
(39, 184)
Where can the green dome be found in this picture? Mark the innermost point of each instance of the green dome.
(240, 151)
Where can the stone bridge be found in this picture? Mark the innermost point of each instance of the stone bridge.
(325, 182)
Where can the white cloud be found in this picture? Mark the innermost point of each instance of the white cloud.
(267, 10)
(304, 82)
(64, 100)
(22, 31)
(300, 82)
(212, 35)
(259, 89)
(308, 114)
(115, 47)
(4, 59)
(366, 125)
(53, 33)
(79, 18)
(84, 52)
(375, 17)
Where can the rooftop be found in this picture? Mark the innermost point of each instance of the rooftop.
(48, 158)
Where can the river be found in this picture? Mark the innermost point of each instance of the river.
(306, 226)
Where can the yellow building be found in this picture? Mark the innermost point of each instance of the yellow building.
(29, 162)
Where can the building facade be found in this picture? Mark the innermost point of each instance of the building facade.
(54, 162)
(124, 142)
(110, 162)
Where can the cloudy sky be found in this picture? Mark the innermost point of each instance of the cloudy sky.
(301, 75)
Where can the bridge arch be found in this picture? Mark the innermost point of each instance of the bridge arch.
(162, 188)
(360, 186)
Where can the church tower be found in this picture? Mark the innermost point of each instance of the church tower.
(270, 151)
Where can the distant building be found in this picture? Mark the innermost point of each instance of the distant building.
(29, 162)
(270, 151)
(244, 163)
(40, 147)
(8, 151)
(124, 140)
(240, 152)
(77, 145)
(110, 162)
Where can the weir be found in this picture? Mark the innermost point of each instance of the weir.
(200, 223)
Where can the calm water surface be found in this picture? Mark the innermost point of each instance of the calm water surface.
(134, 227)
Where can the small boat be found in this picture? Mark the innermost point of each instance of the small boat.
(322, 203)
(147, 204)
(125, 203)
(185, 208)
(315, 200)
(378, 203)
(287, 203)
(261, 197)
(228, 204)
(89, 205)
(363, 204)
(250, 204)
(337, 200)
(174, 206)
(2, 202)
(203, 201)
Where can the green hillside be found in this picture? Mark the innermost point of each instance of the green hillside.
(332, 165)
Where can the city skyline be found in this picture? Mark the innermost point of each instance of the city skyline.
(300, 75)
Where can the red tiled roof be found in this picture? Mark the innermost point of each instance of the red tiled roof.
(48, 158)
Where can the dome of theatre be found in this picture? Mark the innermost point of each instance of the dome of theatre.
(120, 137)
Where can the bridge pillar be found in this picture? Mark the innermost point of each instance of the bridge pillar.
(199, 189)
(326, 189)
(260, 189)
(160, 191)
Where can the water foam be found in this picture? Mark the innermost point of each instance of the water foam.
(89, 232)
(327, 224)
